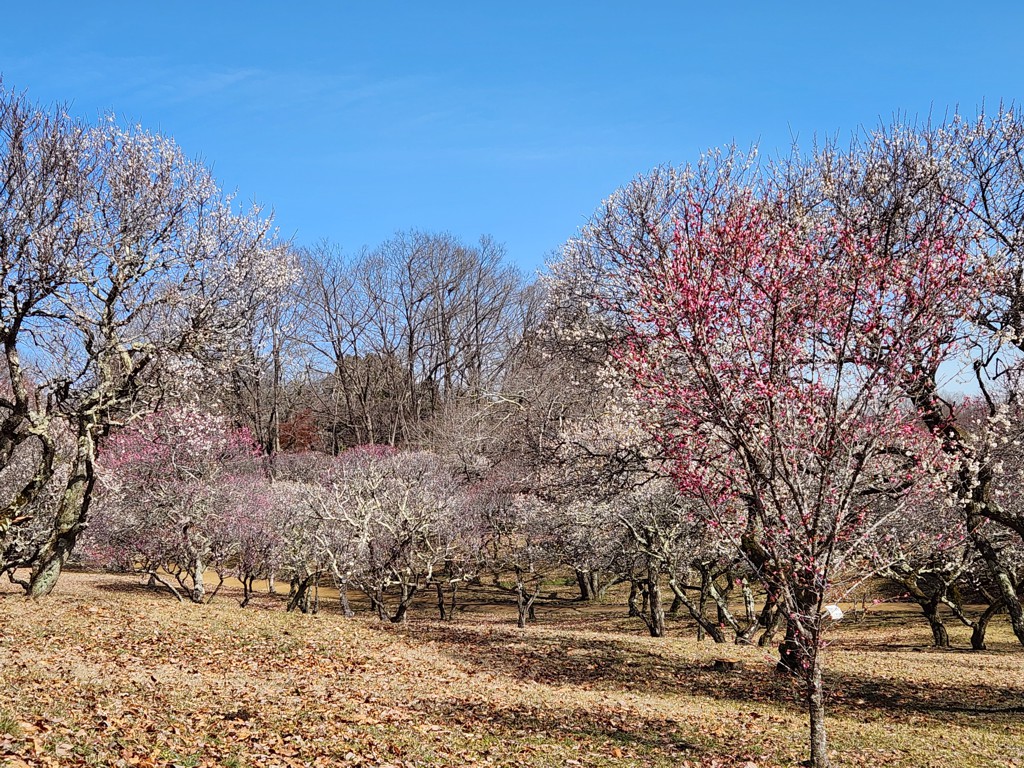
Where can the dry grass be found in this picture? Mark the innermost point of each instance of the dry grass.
(108, 673)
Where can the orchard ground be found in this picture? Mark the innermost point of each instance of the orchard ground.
(108, 672)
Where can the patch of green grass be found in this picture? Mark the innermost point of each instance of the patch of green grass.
(8, 725)
(181, 761)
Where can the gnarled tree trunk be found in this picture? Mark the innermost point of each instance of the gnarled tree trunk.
(69, 521)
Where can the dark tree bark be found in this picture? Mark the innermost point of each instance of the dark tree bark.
(704, 626)
(631, 601)
(302, 598)
(1003, 577)
(656, 625)
(940, 636)
(652, 610)
(524, 604)
(587, 584)
(441, 607)
(981, 626)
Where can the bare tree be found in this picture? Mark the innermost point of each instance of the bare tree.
(400, 333)
(262, 377)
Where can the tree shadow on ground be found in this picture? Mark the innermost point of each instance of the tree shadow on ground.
(613, 664)
(135, 587)
(521, 722)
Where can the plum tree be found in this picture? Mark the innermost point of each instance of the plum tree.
(771, 342)
(120, 261)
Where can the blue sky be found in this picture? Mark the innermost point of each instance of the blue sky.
(353, 121)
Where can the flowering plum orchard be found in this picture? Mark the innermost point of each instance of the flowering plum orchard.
(734, 379)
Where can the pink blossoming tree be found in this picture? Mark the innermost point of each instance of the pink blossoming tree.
(177, 498)
(772, 345)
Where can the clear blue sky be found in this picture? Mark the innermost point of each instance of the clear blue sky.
(513, 119)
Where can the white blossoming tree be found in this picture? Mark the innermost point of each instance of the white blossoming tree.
(119, 257)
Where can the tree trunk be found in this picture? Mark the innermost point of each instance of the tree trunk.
(584, 579)
(652, 612)
(346, 609)
(378, 606)
(981, 626)
(748, 604)
(154, 578)
(702, 604)
(940, 637)
(48, 567)
(300, 598)
(673, 609)
(703, 625)
(721, 598)
(524, 603)
(770, 618)
(405, 597)
(401, 614)
(657, 609)
(521, 606)
(69, 522)
(816, 710)
(453, 603)
(198, 587)
(441, 608)
(634, 592)
(216, 589)
(1005, 581)
(792, 656)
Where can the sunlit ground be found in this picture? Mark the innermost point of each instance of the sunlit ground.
(107, 672)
